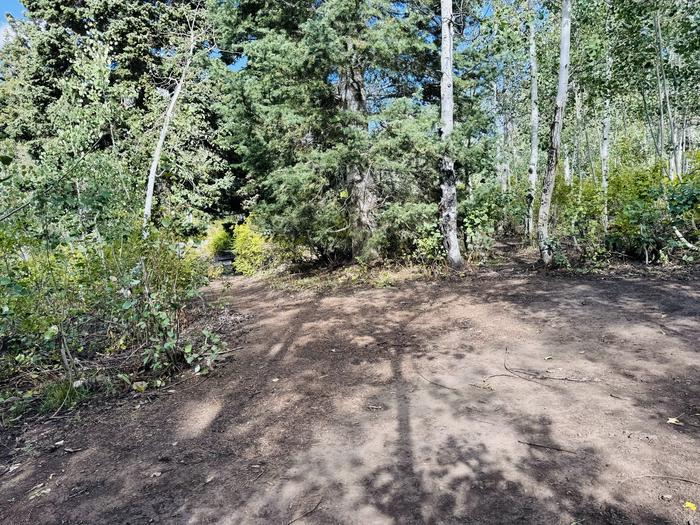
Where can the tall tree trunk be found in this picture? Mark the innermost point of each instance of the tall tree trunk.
(578, 162)
(360, 181)
(568, 174)
(607, 119)
(678, 150)
(534, 124)
(448, 202)
(158, 151)
(662, 123)
(605, 160)
(675, 171)
(543, 240)
(589, 151)
(512, 140)
(682, 145)
(501, 140)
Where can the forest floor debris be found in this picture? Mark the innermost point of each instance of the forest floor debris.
(387, 429)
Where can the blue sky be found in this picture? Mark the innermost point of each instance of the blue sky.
(13, 7)
(10, 6)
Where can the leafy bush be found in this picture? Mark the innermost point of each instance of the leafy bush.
(644, 209)
(62, 305)
(648, 208)
(79, 282)
(409, 231)
(579, 217)
(684, 203)
(481, 214)
(639, 230)
(218, 240)
(249, 248)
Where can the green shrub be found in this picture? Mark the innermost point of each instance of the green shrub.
(578, 216)
(639, 230)
(97, 296)
(218, 240)
(248, 248)
(303, 214)
(61, 394)
(646, 209)
(637, 227)
(481, 214)
(409, 231)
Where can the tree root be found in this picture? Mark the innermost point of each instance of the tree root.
(307, 513)
(671, 478)
(548, 447)
(480, 387)
(534, 378)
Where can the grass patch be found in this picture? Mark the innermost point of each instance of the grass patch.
(61, 394)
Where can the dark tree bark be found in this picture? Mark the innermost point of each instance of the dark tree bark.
(360, 180)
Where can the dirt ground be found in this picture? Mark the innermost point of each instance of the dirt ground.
(394, 405)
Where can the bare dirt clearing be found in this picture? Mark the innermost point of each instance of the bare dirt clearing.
(393, 406)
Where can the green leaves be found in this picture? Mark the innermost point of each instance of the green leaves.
(51, 333)
(409, 231)
(128, 305)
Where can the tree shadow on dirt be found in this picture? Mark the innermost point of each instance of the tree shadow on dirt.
(248, 439)
(463, 484)
(648, 335)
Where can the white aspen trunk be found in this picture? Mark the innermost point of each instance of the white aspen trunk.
(534, 124)
(448, 202)
(513, 159)
(685, 241)
(543, 240)
(578, 163)
(656, 142)
(683, 142)
(605, 161)
(607, 119)
(505, 183)
(501, 163)
(662, 121)
(157, 153)
(578, 169)
(678, 145)
(589, 152)
(664, 98)
(568, 174)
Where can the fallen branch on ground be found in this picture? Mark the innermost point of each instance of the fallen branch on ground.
(538, 445)
(672, 478)
(685, 241)
(510, 372)
(553, 378)
(515, 372)
(619, 397)
(415, 369)
(307, 513)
